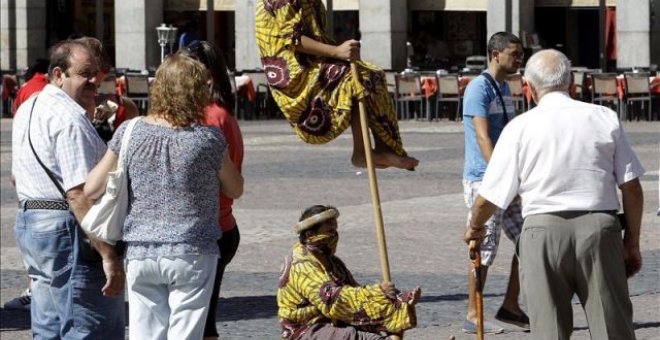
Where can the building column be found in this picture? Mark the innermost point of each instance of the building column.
(383, 25)
(515, 16)
(633, 36)
(247, 52)
(22, 33)
(136, 42)
(655, 33)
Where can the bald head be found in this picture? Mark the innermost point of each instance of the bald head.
(548, 71)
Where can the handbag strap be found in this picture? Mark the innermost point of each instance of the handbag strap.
(499, 95)
(48, 172)
(121, 159)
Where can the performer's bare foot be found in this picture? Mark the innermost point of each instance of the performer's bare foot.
(382, 155)
(385, 159)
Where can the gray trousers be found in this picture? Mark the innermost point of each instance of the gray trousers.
(581, 253)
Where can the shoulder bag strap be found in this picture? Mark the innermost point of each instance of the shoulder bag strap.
(48, 172)
(121, 158)
(499, 95)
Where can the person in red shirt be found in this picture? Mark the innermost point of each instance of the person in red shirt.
(218, 113)
(36, 79)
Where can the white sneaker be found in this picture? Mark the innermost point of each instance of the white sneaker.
(22, 302)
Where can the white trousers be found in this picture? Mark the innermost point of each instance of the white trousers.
(168, 296)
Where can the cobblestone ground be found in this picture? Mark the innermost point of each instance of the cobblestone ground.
(424, 216)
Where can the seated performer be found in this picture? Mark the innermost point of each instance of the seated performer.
(311, 81)
(318, 297)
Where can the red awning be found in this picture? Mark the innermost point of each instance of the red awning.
(610, 33)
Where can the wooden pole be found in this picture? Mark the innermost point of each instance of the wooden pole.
(373, 184)
(475, 256)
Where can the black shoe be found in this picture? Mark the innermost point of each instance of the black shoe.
(504, 315)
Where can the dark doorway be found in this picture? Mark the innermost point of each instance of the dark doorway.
(443, 39)
(588, 38)
(574, 31)
(551, 26)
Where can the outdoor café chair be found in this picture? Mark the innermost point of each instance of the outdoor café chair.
(408, 89)
(448, 91)
(604, 89)
(637, 89)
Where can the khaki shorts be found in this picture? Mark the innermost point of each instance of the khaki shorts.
(509, 220)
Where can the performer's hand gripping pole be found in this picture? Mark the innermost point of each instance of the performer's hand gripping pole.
(475, 257)
(373, 184)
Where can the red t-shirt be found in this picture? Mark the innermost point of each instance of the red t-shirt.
(32, 86)
(219, 116)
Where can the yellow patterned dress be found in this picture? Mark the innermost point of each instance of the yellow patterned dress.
(309, 294)
(316, 94)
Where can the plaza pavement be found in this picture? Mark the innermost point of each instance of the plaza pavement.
(424, 215)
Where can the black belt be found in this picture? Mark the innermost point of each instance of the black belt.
(44, 204)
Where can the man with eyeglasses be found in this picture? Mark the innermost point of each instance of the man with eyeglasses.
(54, 146)
(487, 107)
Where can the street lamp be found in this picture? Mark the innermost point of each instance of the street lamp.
(166, 34)
(172, 37)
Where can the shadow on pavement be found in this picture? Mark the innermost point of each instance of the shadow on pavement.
(246, 308)
(654, 324)
(451, 297)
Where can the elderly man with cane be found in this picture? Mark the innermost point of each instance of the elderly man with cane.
(565, 159)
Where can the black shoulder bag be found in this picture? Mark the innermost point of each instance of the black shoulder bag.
(87, 250)
(499, 95)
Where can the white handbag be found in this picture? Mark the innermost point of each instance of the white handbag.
(105, 219)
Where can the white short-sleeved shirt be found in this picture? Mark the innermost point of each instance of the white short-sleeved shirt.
(64, 139)
(562, 155)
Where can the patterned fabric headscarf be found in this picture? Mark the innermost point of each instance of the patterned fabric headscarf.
(324, 243)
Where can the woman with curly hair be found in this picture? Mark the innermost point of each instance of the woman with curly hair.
(219, 113)
(176, 167)
(311, 81)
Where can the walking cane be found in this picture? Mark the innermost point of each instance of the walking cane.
(475, 257)
(373, 184)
